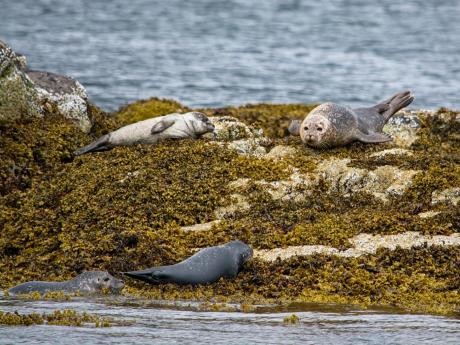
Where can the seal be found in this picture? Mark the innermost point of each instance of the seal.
(89, 282)
(151, 131)
(206, 266)
(331, 125)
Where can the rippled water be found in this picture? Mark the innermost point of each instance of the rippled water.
(161, 324)
(214, 53)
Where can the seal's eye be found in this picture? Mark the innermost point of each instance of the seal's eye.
(306, 128)
(319, 129)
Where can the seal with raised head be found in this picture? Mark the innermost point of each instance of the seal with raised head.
(330, 125)
(89, 282)
(206, 266)
(151, 131)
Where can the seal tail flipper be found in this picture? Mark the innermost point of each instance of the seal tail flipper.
(100, 144)
(151, 276)
(294, 127)
(395, 103)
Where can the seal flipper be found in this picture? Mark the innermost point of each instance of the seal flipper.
(373, 138)
(161, 126)
(101, 144)
(151, 276)
(294, 127)
(395, 103)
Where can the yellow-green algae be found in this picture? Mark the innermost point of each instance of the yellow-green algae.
(66, 317)
(148, 108)
(122, 210)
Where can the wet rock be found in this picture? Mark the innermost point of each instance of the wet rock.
(450, 196)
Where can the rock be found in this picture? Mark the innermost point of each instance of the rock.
(403, 127)
(363, 244)
(32, 93)
(18, 96)
(228, 128)
(200, 227)
(64, 95)
(428, 214)
(238, 136)
(281, 151)
(398, 152)
(382, 182)
(450, 196)
(239, 203)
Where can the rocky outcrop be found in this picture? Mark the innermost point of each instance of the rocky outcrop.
(62, 95)
(26, 93)
(18, 96)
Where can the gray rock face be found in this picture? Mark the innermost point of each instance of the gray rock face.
(64, 95)
(31, 93)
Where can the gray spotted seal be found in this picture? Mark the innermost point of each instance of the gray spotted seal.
(206, 266)
(330, 124)
(151, 131)
(89, 282)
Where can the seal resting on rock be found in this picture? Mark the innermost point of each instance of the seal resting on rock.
(330, 125)
(151, 131)
(89, 282)
(206, 266)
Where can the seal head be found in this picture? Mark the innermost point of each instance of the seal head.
(316, 130)
(96, 281)
(199, 122)
(89, 282)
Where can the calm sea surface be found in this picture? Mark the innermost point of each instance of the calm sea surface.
(157, 324)
(221, 52)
